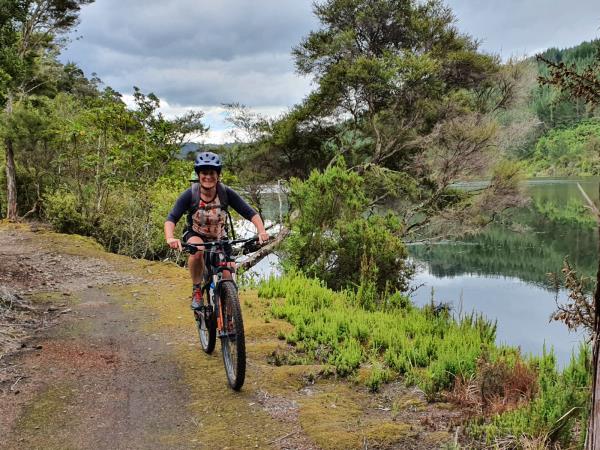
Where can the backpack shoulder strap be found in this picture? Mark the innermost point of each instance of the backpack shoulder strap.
(223, 197)
(221, 193)
(224, 201)
(195, 197)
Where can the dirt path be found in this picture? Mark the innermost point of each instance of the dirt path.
(122, 369)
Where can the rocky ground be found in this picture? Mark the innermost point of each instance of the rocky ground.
(99, 351)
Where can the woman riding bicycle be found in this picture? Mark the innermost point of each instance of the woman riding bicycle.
(206, 205)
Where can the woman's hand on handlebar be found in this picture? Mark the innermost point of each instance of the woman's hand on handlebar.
(174, 243)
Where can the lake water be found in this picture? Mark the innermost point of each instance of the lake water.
(503, 271)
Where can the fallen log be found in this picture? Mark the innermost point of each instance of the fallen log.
(264, 251)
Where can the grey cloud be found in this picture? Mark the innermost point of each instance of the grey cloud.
(196, 52)
(222, 29)
(199, 83)
(193, 52)
(262, 79)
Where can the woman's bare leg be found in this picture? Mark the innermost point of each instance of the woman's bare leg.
(196, 261)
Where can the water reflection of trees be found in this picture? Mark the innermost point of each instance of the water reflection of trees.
(539, 246)
(528, 255)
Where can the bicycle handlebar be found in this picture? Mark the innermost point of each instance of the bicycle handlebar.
(193, 248)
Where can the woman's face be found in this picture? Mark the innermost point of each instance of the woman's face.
(208, 178)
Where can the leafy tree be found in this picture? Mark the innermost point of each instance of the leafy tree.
(411, 106)
(569, 151)
(580, 81)
(399, 91)
(111, 160)
(333, 241)
(396, 69)
(29, 34)
(554, 107)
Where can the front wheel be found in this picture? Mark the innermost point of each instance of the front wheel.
(233, 344)
(207, 325)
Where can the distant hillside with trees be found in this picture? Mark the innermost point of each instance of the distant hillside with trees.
(564, 136)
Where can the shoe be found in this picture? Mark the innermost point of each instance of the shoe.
(197, 301)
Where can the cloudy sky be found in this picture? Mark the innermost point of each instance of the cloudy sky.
(200, 54)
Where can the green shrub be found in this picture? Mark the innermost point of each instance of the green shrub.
(378, 376)
(334, 239)
(431, 349)
(128, 219)
(405, 339)
(569, 151)
(397, 300)
(63, 211)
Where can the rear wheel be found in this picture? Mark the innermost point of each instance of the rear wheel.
(207, 325)
(233, 344)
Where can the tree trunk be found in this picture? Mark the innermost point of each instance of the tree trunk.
(11, 175)
(264, 251)
(592, 441)
(11, 184)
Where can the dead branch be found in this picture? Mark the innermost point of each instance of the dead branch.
(264, 251)
(9, 300)
(590, 203)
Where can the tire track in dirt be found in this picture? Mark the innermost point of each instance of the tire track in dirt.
(96, 383)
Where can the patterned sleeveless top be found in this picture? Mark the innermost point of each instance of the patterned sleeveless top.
(209, 220)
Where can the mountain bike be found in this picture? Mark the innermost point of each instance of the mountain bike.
(220, 315)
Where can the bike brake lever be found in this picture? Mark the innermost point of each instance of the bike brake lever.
(192, 249)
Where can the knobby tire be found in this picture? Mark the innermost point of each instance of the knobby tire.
(233, 345)
(207, 327)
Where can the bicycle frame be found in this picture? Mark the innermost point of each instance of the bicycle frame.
(215, 272)
(225, 320)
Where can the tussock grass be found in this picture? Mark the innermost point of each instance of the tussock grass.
(557, 414)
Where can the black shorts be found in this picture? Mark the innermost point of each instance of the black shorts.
(189, 233)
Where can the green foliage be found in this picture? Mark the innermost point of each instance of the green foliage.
(429, 348)
(83, 159)
(90, 165)
(29, 39)
(381, 91)
(569, 151)
(61, 209)
(130, 221)
(333, 240)
(378, 376)
(552, 107)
